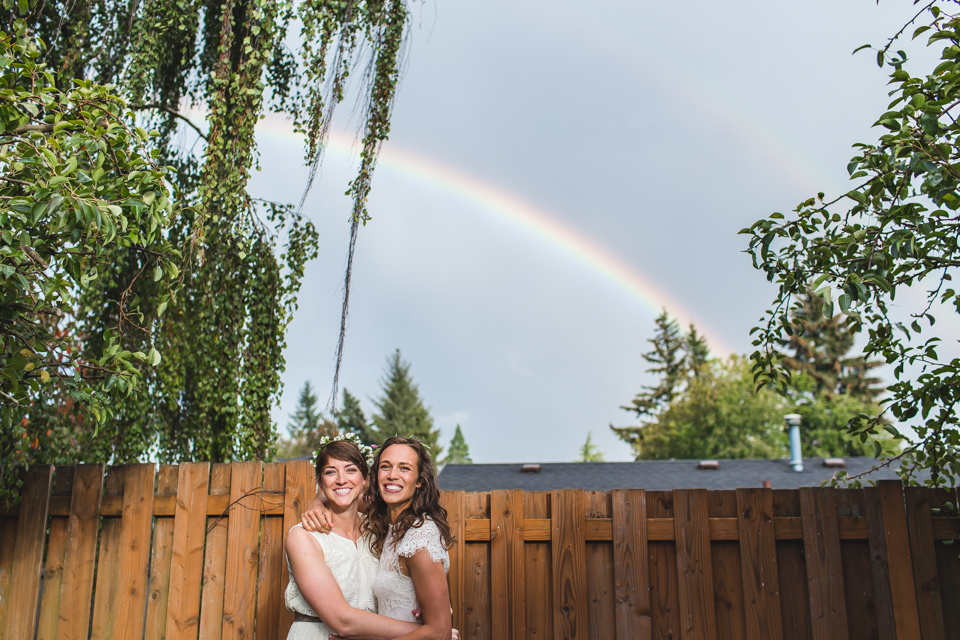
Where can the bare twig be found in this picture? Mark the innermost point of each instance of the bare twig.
(172, 112)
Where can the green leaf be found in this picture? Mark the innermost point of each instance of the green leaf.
(157, 273)
(154, 357)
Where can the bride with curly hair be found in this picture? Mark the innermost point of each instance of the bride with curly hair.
(409, 535)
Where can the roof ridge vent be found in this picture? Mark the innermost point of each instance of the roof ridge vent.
(530, 468)
(835, 463)
(711, 465)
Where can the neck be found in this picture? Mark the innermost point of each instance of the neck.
(394, 510)
(346, 522)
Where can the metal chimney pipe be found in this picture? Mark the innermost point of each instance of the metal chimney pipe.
(796, 457)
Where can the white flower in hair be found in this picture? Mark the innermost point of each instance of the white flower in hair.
(366, 450)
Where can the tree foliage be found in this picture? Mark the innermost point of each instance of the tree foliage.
(79, 189)
(350, 419)
(400, 410)
(589, 451)
(221, 329)
(307, 425)
(892, 237)
(458, 452)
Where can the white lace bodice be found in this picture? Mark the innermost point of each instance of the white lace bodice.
(353, 565)
(396, 597)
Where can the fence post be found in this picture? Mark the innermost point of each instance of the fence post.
(569, 541)
(507, 565)
(631, 576)
(694, 564)
(758, 564)
(186, 567)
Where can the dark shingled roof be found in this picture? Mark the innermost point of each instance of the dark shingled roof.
(654, 475)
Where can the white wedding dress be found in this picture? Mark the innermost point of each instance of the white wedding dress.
(353, 566)
(394, 591)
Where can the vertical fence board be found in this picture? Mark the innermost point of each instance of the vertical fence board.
(269, 596)
(240, 579)
(758, 562)
(28, 557)
(135, 548)
(948, 570)
(300, 489)
(694, 566)
(80, 557)
(108, 562)
(53, 563)
(631, 573)
(601, 614)
(568, 539)
(924, 554)
(8, 544)
(452, 501)
(477, 613)
(902, 590)
(727, 574)
(538, 568)
(794, 597)
(664, 610)
(506, 565)
(155, 624)
(214, 560)
(186, 551)
(821, 544)
(857, 574)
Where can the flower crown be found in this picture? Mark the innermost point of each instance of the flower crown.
(366, 450)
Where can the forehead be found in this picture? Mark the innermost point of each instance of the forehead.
(337, 463)
(397, 453)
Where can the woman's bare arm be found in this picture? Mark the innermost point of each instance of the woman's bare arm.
(430, 584)
(323, 594)
(317, 517)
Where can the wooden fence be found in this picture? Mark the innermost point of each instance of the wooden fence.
(196, 551)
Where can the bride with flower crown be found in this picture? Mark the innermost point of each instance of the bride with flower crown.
(408, 534)
(334, 576)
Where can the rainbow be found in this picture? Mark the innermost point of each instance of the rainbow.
(518, 213)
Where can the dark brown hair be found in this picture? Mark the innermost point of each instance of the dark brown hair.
(425, 503)
(341, 450)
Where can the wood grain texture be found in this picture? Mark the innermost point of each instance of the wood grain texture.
(794, 598)
(215, 560)
(186, 551)
(727, 575)
(948, 570)
(664, 608)
(694, 564)
(758, 564)
(902, 587)
(477, 613)
(49, 617)
(240, 577)
(924, 553)
(538, 569)
(28, 557)
(821, 543)
(631, 575)
(80, 557)
(452, 501)
(103, 624)
(300, 489)
(601, 613)
(136, 527)
(879, 564)
(272, 558)
(8, 545)
(506, 565)
(158, 586)
(569, 564)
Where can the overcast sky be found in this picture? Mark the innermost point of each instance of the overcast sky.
(558, 171)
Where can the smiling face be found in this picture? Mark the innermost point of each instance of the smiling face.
(398, 476)
(342, 482)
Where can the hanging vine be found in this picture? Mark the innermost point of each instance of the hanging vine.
(221, 334)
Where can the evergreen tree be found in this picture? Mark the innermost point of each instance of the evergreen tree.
(697, 350)
(306, 426)
(400, 410)
(589, 451)
(350, 419)
(459, 452)
(819, 346)
(667, 358)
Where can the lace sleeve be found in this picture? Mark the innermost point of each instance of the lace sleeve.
(426, 536)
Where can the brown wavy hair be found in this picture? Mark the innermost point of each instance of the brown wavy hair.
(425, 504)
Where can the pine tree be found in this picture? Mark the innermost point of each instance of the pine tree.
(350, 419)
(819, 346)
(589, 451)
(697, 351)
(306, 426)
(459, 452)
(667, 358)
(400, 410)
